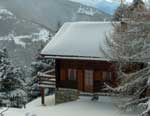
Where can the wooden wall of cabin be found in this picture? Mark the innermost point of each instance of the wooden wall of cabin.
(98, 67)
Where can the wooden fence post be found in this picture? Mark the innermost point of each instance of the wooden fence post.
(42, 96)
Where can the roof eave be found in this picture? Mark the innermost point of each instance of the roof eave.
(76, 57)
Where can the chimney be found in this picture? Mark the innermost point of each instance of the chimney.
(124, 26)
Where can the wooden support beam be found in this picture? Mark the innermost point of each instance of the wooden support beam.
(57, 72)
(42, 96)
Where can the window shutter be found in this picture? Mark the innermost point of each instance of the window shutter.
(63, 74)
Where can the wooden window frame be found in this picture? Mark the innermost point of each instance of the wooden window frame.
(107, 76)
(89, 76)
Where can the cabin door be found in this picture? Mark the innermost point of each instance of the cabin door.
(80, 76)
(88, 80)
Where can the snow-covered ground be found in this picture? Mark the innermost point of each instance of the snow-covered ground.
(84, 106)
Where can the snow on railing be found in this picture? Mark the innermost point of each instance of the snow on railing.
(45, 75)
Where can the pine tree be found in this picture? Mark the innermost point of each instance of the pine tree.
(39, 65)
(12, 84)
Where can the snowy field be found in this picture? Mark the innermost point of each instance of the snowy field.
(82, 107)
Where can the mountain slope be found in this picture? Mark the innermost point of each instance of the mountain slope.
(20, 37)
(107, 6)
(50, 12)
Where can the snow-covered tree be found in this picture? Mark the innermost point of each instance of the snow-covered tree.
(126, 11)
(12, 83)
(120, 12)
(130, 46)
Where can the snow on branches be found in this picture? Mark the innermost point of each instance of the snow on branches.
(130, 46)
(12, 84)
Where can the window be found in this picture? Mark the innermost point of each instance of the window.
(72, 74)
(107, 76)
(89, 77)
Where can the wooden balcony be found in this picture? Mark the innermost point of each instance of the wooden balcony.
(47, 79)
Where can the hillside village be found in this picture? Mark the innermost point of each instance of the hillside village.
(85, 67)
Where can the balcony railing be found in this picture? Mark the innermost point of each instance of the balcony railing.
(47, 79)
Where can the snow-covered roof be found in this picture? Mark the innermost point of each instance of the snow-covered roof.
(80, 40)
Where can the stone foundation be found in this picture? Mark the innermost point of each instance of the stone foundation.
(66, 95)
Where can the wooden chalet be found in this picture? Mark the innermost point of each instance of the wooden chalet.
(79, 50)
